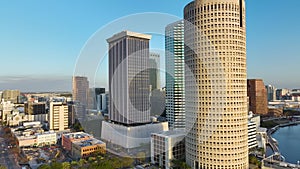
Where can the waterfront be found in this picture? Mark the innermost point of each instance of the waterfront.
(288, 140)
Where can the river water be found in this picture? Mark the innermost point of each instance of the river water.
(289, 143)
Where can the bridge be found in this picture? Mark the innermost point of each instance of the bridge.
(276, 160)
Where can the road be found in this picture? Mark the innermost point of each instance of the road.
(7, 158)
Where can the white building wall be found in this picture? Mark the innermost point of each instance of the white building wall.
(130, 137)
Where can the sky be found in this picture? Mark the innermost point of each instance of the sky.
(41, 41)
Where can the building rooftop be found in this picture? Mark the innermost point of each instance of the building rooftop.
(128, 34)
(90, 142)
(78, 135)
(171, 133)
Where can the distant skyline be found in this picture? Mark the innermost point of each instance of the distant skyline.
(41, 40)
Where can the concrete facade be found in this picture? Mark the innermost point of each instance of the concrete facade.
(216, 85)
(167, 146)
(58, 116)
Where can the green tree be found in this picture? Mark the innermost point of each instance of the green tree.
(180, 164)
(74, 163)
(141, 156)
(127, 162)
(56, 165)
(66, 165)
(81, 162)
(44, 166)
(2, 167)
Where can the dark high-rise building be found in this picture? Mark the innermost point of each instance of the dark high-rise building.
(154, 72)
(32, 108)
(129, 78)
(99, 99)
(258, 99)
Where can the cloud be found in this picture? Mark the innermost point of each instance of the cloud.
(36, 83)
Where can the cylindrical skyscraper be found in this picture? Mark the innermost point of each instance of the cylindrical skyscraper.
(216, 92)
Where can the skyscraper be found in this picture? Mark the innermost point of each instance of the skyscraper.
(216, 87)
(80, 95)
(129, 78)
(174, 47)
(129, 91)
(154, 65)
(257, 93)
(271, 90)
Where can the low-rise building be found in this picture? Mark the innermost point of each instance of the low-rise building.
(252, 142)
(130, 137)
(31, 134)
(67, 139)
(85, 148)
(167, 146)
(46, 138)
(261, 138)
(38, 139)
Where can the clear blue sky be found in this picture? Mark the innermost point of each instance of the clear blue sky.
(40, 40)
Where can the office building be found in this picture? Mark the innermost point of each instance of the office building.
(40, 139)
(129, 78)
(80, 95)
(11, 95)
(252, 142)
(91, 101)
(257, 93)
(174, 45)
(58, 116)
(167, 146)
(86, 148)
(68, 138)
(5, 109)
(33, 108)
(280, 93)
(216, 84)
(99, 99)
(271, 92)
(102, 103)
(71, 112)
(129, 92)
(158, 102)
(154, 71)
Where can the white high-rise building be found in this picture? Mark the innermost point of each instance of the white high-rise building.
(174, 45)
(58, 116)
(216, 88)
